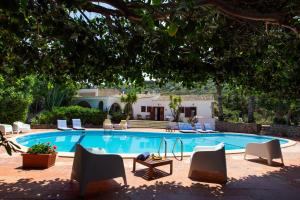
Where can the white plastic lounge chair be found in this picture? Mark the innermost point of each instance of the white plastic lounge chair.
(107, 124)
(199, 128)
(208, 128)
(268, 150)
(186, 128)
(90, 166)
(5, 128)
(62, 125)
(171, 127)
(77, 124)
(123, 124)
(208, 164)
(19, 127)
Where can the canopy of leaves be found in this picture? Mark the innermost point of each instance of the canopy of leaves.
(193, 44)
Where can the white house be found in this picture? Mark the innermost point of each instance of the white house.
(148, 106)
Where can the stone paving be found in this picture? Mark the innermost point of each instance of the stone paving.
(248, 180)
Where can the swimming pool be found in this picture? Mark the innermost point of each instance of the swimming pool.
(132, 142)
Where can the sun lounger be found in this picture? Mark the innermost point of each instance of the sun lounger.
(5, 128)
(62, 125)
(77, 124)
(19, 127)
(208, 128)
(199, 128)
(90, 165)
(107, 124)
(268, 150)
(186, 128)
(208, 164)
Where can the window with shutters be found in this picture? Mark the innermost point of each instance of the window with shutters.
(190, 111)
(143, 108)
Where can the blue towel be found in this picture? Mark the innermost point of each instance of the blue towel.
(143, 156)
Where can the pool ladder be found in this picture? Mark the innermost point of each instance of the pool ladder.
(181, 149)
(164, 141)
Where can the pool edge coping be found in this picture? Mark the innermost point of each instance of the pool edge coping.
(127, 156)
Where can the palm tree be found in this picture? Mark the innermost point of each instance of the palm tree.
(175, 104)
(130, 98)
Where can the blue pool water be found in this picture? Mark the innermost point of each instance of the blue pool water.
(125, 142)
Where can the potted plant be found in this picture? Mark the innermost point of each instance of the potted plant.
(41, 155)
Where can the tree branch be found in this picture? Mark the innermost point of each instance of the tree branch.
(162, 12)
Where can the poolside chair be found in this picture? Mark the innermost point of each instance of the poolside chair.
(199, 128)
(208, 128)
(62, 125)
(269, 150)
(5, 128)
(19, 127)
(91, 166)
(171, 127)
(107, 124)
(76, 123)
(186, 128)
(123, 124)
(208, 164)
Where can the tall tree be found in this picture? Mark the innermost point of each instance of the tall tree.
(175, 104)
(129, 98)
(220, 101)
(251, 108)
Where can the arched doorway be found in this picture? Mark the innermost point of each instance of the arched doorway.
(84, 104)
(116, 114)
(115, 107)
(100, 105)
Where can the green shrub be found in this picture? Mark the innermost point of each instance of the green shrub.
(87, 115)
(231, 115)
(15, 98)
(116, 117)
(13, 108)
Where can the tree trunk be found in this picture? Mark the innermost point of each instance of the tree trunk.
(220, 101)
(289, 116)
(251, 108)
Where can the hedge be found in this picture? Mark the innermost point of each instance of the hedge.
(87, 115)
(13, 108)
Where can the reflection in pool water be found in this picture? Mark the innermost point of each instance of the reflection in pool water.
(124, 142)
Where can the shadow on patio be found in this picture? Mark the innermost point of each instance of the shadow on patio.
(281, 184)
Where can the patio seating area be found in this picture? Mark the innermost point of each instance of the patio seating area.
(247, 179)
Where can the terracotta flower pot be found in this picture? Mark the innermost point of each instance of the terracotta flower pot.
(38, 160)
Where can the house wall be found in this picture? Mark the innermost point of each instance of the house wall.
(144, 101)
(94, 101)
(88, 92)
(204, 107)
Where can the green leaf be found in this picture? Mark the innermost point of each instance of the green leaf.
(172, 29)
(24, 3)
(155, 2)
(8, 150)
